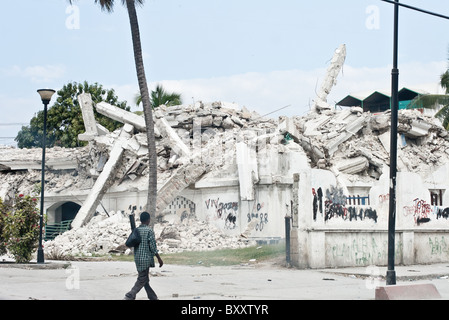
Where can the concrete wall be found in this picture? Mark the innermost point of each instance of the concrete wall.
(327, 230)
(262, 217)
(356, 235)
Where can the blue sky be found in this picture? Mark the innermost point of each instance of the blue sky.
(258, 53)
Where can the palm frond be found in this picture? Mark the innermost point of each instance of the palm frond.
(428, 101)
(106, 5)
(444, 81)
(443, 115)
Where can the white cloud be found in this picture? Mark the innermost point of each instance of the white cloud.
(37, 74)
(266, 92)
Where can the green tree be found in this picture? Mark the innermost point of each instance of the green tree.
(431, 100)
(108, 5)
(162, 97)
(64, 118)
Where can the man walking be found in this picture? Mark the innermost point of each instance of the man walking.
(144, 258)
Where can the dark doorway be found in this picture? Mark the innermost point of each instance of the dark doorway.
(69, 210)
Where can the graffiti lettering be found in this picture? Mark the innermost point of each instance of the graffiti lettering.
(442, 213)
(257, 214)
(384, 198)
(335, 206)
(420, 211)
(438, 246)
(317, 200)
(224, 210)
(361, 251)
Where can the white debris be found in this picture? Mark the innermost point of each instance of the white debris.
(192, 139)
(108, 235)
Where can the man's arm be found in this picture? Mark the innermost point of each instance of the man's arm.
(161, 263)
(153, 248)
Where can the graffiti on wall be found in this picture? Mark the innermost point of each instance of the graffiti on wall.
(420, 210)
(423, 212)
(335, 206)
(438, 246)
(317, 201)
(226, 211)
(258, 216)
(362, 250)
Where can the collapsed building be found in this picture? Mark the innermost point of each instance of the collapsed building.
(228, 176)
(238, 175)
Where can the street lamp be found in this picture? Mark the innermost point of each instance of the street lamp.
(391, 274)
(46, 95)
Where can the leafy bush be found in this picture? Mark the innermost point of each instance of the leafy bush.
(3, 212)
(19, 226)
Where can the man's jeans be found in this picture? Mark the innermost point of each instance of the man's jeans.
(143, 281)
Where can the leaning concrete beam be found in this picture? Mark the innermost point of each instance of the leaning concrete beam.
(101, 185)
(181, 179)
(331, 79)
(121, 115)
(90, 124)
(177, 145)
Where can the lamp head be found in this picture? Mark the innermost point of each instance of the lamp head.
(46, 95)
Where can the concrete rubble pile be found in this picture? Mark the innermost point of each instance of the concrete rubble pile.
(21, 170)
(356, 145)
(107, 235)
(349, 142)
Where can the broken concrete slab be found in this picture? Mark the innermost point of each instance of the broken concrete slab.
(121, 115)
(350, 130)
(183, 177)
(418, 129)
(90, 124)
(102, 183)
(353, 165)
(331, 79)
(177, 145)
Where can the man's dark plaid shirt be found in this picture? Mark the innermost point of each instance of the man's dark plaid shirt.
(144, 253)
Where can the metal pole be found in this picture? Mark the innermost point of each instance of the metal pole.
(287, 240)
(40, 251)
(391, 273)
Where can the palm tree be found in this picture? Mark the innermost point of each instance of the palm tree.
(108, 5)
(162, 97)
(431, 100)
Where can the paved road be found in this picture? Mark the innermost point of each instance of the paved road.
(111, 280)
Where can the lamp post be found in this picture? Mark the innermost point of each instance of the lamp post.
(46, 95)
(391, 273)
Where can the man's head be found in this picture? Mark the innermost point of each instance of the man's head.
(145, 217)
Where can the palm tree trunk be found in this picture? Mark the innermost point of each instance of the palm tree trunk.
(147, 108)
